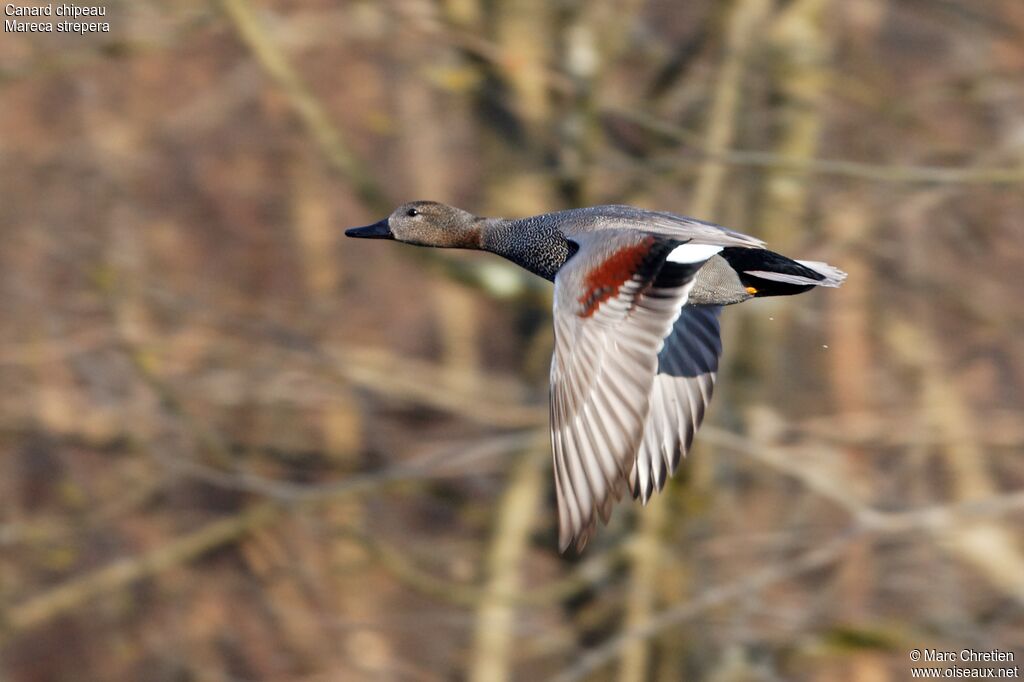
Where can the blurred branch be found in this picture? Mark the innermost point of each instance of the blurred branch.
(495, 621)
(645, 560)
(74, 593)
(745, 19)
(499, 280)
(853, 169)
(938, 519)
(466, 393)
(442, 461)
(592, 571)
(699, 144)
(802, 49)
(78, 591)
(878, 172)
(989, 546)
(496, 401)
(71, 595)
(133, 494)
(996, 428)
(811, 560)
(306, 105)
(852, 383)
(469, 396)
(522, 31)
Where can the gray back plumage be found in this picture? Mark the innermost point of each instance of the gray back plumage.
(542, 243)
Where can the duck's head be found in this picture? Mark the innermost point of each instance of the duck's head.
(426, 223)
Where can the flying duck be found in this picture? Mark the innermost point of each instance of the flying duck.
(636, 304)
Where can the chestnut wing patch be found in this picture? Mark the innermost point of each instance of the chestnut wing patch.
(606, 278)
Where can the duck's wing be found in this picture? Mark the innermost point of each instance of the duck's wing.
(661, 223)
(680, 394)
(612, 311)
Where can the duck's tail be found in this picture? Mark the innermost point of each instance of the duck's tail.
(766, 273)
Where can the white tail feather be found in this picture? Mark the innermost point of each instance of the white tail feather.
(833, 275)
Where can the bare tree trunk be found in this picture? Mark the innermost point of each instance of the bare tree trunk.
(802, 48)
(989, 546)
(641, 601)
(852, 371)
(524, 32)
(495, 618)
(745, 19)
(315, 235)
(802, 45)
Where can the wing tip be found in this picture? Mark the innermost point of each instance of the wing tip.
(578, 540)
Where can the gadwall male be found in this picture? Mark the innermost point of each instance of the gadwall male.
(636, 304)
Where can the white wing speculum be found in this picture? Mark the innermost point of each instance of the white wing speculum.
(693, 253)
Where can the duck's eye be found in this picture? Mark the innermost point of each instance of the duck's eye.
(412, 213)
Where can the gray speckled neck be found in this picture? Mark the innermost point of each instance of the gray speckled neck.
(535, 243)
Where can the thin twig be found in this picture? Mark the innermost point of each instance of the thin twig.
(72, 594)
(306, 105)
(696, 142)
(607, 652)
(937, 518)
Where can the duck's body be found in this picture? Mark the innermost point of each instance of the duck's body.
(636, 304)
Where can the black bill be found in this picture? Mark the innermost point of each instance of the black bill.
(378, 230)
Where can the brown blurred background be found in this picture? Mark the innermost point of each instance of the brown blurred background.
(235, 446)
